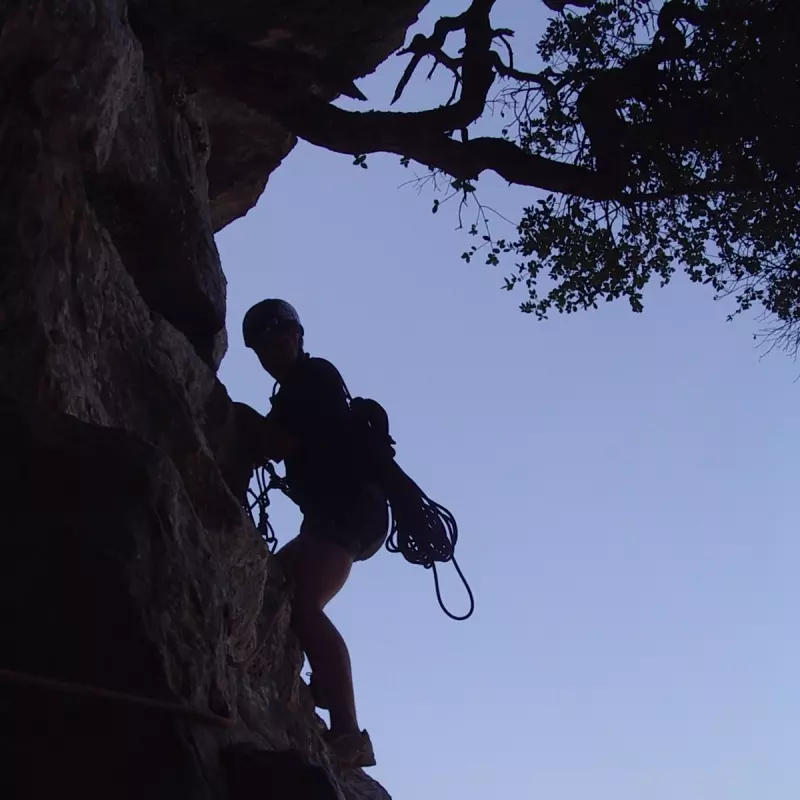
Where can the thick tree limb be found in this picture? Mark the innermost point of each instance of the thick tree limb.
(295, 88)
(269, 83)
(423, 136)
(358, 133)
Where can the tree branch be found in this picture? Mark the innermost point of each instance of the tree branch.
(539, 78)
(473, 71)
(385, 132)
(432, 45)
(266, 82)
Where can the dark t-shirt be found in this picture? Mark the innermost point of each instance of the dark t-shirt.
(324, 471)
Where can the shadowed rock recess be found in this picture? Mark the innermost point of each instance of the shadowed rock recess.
(128, 564)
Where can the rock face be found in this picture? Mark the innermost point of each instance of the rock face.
(128, 564)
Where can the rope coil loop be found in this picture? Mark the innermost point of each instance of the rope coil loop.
(425, 532)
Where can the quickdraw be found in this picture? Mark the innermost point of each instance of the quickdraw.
(266, 480)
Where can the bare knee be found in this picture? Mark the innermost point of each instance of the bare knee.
(314, 629)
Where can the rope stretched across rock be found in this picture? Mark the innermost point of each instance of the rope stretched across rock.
(99, 693)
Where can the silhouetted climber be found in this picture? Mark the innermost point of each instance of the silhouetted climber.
(342, 473)
(345, 512)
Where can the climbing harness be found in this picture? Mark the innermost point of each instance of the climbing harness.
(98, 693)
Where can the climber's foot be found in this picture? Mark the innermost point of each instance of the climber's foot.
(316, 695)
(351, 750)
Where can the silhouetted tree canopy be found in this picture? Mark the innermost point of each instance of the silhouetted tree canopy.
(664, 134)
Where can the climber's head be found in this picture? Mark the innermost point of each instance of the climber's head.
(273, 331)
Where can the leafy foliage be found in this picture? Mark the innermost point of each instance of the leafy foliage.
(690, 111)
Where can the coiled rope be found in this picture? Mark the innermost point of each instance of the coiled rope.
(424, 531)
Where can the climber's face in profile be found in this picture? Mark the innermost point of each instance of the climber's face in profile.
(278, 349)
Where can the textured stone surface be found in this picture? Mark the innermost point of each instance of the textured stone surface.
(127, 560)
(354, 36)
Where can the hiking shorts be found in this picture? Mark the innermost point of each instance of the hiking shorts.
(360, 527)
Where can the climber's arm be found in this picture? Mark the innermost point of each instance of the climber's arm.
(263, 438)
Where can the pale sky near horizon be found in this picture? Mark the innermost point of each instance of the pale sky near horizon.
(625, 485)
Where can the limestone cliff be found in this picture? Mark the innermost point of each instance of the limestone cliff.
(128, 564)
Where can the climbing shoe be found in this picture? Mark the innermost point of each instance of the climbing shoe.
(351, 750)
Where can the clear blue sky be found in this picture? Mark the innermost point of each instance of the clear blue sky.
(626, 487)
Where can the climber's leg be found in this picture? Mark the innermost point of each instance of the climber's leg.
(319, 568)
